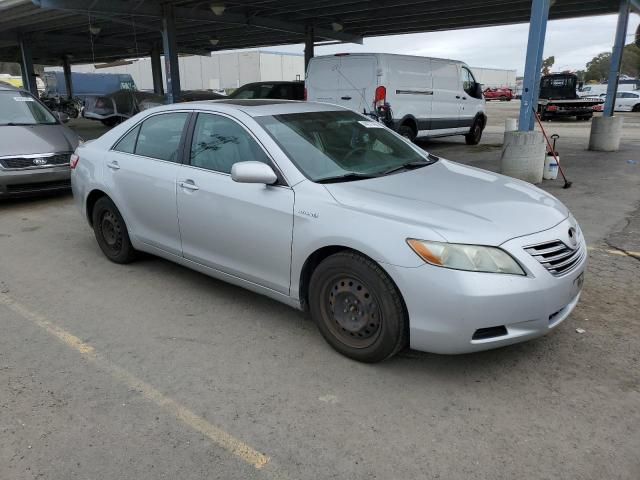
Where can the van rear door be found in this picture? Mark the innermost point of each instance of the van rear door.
(344, 79)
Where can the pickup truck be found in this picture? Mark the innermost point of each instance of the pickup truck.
(558, 98)
(502, 94)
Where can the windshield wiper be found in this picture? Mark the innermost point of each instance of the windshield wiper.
(411, 165)
(346, 177)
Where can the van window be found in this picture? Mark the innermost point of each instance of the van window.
(468, 81)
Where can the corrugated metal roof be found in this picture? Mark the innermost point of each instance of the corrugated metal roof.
(131, 28)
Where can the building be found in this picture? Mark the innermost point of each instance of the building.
(495, 77)
(227, 70)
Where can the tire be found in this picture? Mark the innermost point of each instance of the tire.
(503, 98)
(407, 132)
(111, 121)
(350, 280)
(475, 133)
(636, 108)
(584, 117)
(111, 232)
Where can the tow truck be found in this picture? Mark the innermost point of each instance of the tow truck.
(558, 98)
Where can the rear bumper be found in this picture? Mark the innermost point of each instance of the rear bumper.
(17, 183)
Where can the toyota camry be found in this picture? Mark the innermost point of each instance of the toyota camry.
(386, 245)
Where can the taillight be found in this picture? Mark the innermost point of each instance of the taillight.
(552, 108)
(73, 161)
(380, 98)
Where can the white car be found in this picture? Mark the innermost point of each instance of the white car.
(627, 102)
(326, 210)
(416, 96)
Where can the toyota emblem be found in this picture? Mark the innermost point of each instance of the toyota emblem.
(39, 161)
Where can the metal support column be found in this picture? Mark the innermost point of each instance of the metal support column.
(535, 49)
(156, 70)
(308, 46)
(172, 69)
(68, 82)
(616, 58)
(26, 66)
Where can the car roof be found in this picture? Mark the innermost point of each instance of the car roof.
(258, 107)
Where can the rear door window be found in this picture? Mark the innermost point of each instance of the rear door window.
(160, 136)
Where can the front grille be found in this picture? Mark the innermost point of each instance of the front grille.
(556, 256)
(35, 161)
(37, 187)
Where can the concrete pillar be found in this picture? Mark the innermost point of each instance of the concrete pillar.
(156, 71)
(171, 66)
(523, 155)
(26, 66)
(68, 82)
(605, 134)
(616, 58)
(533, 64)
(308, 46)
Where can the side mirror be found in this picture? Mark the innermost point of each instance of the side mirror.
(63, 117)
(477, 90)
(253, 172)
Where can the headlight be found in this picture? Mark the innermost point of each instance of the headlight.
(473, 258)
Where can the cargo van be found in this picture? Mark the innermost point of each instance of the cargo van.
(416, 96)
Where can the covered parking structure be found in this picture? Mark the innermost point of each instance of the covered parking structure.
(61, 32)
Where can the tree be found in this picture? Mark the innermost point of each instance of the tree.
(599, 66)
(547, 63)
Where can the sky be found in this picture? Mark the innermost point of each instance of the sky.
(573, 42)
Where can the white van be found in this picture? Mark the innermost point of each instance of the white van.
(416, 96)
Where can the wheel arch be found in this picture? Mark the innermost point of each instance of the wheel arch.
(315, 258)
(410, 121)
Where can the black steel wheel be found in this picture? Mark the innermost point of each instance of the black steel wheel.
(475, 134)
(111, 232)
(357, 308)
(407, 132)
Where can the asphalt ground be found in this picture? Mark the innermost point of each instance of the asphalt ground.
(151, 371)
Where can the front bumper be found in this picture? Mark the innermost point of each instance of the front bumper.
(25, 182)
(447, 307)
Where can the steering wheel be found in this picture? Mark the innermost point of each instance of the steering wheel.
(352, 152)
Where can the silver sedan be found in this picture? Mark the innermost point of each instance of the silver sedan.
(323, 209)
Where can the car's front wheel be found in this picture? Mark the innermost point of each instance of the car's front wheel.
(111, 232)
(475, 134)
(357, 307)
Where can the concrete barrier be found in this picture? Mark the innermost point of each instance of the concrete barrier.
(510, 124)
(523, 155)
(605, 134)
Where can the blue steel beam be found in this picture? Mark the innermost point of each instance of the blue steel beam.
(533, 65)
(171, 66)
(616, 58)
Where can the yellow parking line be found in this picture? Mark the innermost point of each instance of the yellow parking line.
(186, 416)
(615, 252)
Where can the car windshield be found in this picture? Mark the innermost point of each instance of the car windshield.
(20, 108)
(341, 146)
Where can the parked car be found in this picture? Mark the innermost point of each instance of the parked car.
(627, 101)
(35, 147)
(416, 96)
(324, 209)
(558, 98)
(270, 90)
(118, 106)
(502, 94)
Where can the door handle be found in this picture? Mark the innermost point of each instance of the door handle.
(345, 98)
(458, 97)
(113, 165)
(189, 185)
(464, 98)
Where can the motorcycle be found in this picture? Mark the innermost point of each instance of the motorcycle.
(69, 106)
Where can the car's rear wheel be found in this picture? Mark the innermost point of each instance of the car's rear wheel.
(111, 232)
(357, 308)
(475, 134)
(636, 108)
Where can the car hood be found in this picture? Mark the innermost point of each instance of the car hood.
(29, 139)
(462, 204)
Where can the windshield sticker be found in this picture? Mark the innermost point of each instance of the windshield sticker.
(23, 99)
(370, 124)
